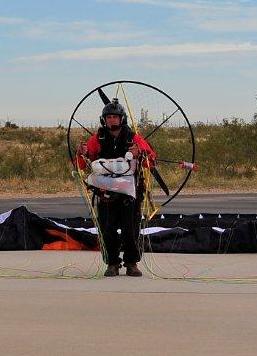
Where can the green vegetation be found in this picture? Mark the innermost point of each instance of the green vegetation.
(31, 153)
(34, 159)
(226, 153)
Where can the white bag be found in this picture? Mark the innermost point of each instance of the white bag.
(114, 166)
(124, 184)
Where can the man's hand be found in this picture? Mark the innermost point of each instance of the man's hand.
(82, 149)
(134, 150)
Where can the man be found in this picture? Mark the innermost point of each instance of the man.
(118, 211)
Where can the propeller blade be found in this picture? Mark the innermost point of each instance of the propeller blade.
(159, 180)
(103, 96)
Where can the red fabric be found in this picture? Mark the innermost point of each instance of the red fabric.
(66, 242)
(147, 149)
(93, 148)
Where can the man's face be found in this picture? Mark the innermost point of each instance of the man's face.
(112, 121)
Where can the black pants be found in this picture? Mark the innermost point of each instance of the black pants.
(124, 213)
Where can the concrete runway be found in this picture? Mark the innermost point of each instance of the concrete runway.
(206, 304)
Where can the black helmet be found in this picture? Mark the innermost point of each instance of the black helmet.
(114, 108)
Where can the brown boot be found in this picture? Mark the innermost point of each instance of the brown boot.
(112, 271)
(132, 270)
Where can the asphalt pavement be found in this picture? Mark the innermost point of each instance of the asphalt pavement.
(244, 203)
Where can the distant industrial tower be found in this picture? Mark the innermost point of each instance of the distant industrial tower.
(144, 120)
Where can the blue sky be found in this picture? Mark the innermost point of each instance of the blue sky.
(203, 53)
